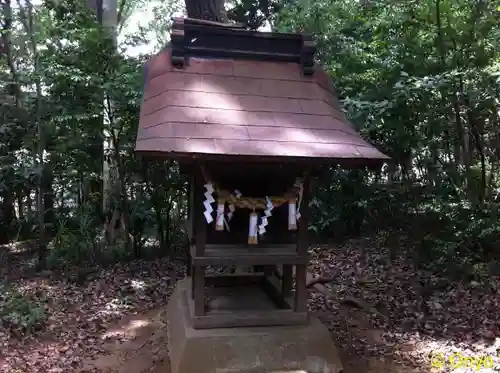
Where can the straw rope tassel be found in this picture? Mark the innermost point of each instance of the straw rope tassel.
(292, 214)
(219, 223)
(252, 229)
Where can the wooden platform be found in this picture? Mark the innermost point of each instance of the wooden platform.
(250, 300)
(248, 255)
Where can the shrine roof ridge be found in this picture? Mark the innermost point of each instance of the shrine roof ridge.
(199, 38)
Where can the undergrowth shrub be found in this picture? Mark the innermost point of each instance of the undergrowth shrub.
(75, 241)
(79, 241)
(448, 234)
(18, 313)
(466, 240)
(446, 231)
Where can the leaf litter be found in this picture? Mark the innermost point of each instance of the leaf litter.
(80, 315)
(90, 325)
(428, 319)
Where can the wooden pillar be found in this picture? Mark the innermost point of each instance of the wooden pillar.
(193, 211)
(302, 247)
(200, 237)
(190, 229)
(287, 280)
(200, 224)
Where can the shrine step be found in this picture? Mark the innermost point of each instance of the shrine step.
(248, 255)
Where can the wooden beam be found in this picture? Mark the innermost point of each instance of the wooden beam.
(197, 21)
(190, 221)
(178, 53)
(190, 38)
(319, 162)
(251, 55)
(303, 233)
(228, 255)
(271, 286)
(233, 279)
(302, 248)
(200, 233)
(307, 55)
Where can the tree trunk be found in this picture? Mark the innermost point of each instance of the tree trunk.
(7, 216)
(210, 10)
(20, 207)
(109, 20)
(7, 212)
(30, 26)
(48, 198)
(29, 206)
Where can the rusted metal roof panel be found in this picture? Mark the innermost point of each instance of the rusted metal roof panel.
(246, 108)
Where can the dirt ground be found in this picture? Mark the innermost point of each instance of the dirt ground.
(113, 320)
(145, 349)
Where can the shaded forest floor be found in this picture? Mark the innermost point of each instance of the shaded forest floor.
(112, 321)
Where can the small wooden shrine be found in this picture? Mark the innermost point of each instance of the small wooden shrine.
(251, 120)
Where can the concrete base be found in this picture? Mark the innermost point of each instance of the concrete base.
(283, 349)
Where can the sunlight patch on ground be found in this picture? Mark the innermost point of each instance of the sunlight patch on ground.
(29, 287)
(128, 329)
(431, 345)
(115, 307)
(19, 246)
(445, 355)
(138, 285)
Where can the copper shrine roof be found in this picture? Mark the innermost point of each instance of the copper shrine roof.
(241, 107)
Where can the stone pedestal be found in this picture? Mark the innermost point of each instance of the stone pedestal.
(283, 349)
